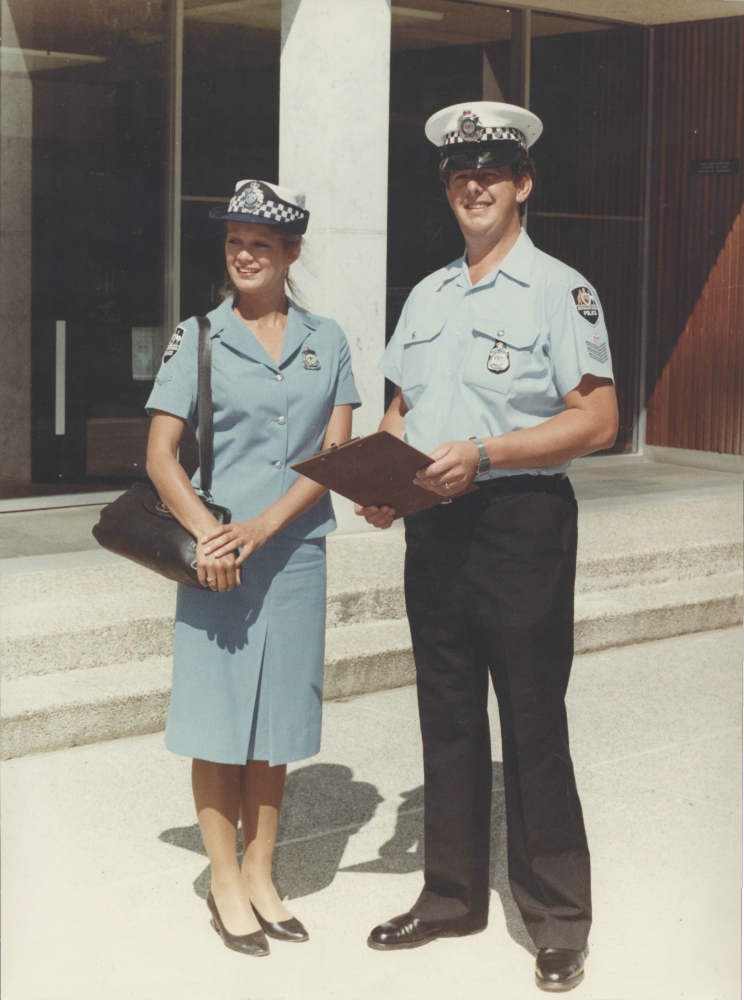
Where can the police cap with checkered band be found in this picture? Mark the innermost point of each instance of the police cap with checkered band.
(482, 134)
(265, 205)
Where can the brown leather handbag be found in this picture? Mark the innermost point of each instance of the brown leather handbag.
(139, 526)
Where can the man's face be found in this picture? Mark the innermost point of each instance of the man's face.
(486, 201)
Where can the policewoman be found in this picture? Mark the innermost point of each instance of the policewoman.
(503, 375)
(249, 644)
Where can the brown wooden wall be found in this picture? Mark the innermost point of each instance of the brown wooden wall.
(695, 375)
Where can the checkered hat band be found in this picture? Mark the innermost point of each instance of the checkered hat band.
(487, 133)
(277, 211)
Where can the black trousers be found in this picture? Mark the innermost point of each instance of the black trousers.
(489, 582)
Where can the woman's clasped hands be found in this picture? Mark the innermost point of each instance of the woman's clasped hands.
(217, 560)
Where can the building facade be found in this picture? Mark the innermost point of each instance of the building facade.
(122, 122)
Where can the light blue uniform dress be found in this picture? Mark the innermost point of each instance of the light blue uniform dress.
(248, 663)
(482, 360)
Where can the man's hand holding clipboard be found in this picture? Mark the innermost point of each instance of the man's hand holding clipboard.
(384, 476)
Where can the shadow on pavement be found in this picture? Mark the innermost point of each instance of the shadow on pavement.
(404, 853)
(323, 807)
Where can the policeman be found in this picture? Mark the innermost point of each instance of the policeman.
(503, 375)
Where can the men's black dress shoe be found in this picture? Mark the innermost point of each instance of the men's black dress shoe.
(558, 970)
(407, 931)
(285, 930)
(254, 944)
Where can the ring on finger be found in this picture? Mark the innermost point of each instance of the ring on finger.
(211, 579)
(446, 486)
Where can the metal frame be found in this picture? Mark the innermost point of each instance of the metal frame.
(639, 427)
(173, 114)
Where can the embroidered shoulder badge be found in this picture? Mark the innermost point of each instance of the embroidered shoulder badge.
(174, 344)
(586, 304)
(310, 359)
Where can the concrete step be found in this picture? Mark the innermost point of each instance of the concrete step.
(48, 712)
(92, 615)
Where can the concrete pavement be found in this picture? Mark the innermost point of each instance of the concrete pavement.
(105, 876)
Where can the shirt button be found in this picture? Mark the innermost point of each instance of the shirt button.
(281, 420)
(277, 465)
(458, 333)
(278, 377)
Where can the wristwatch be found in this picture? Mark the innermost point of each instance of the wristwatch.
(484, 462)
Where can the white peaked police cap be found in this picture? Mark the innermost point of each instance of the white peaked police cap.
(482, 133)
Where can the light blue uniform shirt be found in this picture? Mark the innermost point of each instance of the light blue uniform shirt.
(267, 416)
(483, 360)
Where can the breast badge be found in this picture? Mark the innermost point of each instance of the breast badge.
(498, 358)
(173, 345)
(586, 305)
(310, 359)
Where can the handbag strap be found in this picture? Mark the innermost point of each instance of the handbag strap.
(204, 408)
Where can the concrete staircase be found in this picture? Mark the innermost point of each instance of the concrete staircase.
(86, 638)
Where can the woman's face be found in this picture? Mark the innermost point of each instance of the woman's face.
(256, 258)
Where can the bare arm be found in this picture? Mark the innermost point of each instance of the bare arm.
(589, 423)
(300, 497)
(392, 422)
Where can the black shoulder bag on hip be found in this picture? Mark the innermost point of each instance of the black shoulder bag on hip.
(139, 526)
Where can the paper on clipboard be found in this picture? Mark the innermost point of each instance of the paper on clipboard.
(376, 469)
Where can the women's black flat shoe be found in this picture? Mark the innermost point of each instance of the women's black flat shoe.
(285, 930)
(247, 944)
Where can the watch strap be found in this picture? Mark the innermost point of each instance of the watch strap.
(484, 462)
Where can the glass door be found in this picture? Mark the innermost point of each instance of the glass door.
(92, 73)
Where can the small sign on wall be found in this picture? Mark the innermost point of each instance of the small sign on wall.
(706, 168)
(147, 346)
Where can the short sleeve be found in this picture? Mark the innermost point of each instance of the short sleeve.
(391, 362)
(346, 390)
(578, 336)
(175, 388)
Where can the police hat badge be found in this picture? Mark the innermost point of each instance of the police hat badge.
(310, 359)
(253, 196)
(469, 127)
(498, 358)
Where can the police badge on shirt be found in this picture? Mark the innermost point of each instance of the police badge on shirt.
(310, 359)
(498, 358)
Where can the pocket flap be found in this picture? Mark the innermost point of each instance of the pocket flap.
(512, 333)
(418, 333)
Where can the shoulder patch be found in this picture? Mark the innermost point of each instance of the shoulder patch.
(174, 344)
(586, 304)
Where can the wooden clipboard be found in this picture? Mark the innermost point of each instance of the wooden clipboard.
(376, 469)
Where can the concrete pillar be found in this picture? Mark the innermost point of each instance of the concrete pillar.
(334, 117)
(15, 257)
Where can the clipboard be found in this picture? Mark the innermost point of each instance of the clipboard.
(376, 469)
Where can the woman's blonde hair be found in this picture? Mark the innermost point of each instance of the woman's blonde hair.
(228, 289)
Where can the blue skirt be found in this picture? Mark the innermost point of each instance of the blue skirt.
(248, 664)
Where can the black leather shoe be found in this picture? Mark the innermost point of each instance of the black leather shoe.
(407, 931)
(254, 944)
(285, 930)
(558, 970)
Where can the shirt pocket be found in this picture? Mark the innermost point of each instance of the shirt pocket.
(419, 350)
(494, 367)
